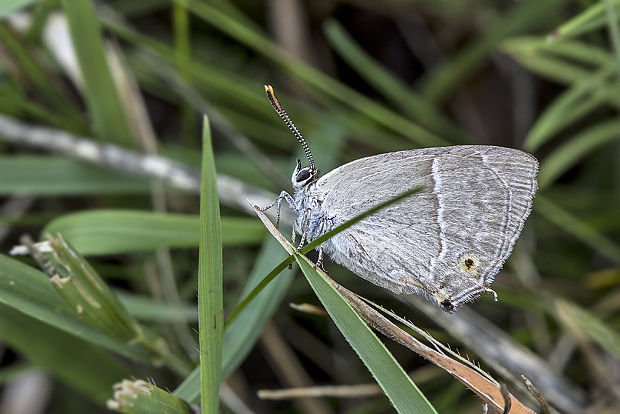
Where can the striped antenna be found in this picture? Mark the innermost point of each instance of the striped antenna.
(287, 120)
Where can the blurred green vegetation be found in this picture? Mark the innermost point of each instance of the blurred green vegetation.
(358, 78)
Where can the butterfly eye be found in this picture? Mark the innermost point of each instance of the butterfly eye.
(303, 175)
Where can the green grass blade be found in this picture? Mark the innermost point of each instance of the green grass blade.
(235, 27)
(276, 270)
(15, 102)
(9, 6)
(614, 30)
(96, 305)
(550, 66)
(141, 397)
(313, 245)
(241, 334)
(22, 174)
(65, 356)
(258, 288)
(210, 297)
(34, 74)
(30, 292)
(578, 228)
(396, 384)
(182, 47)
(568, 153)
(316, 242)
(577, 101)
(584, 323)
(567, 61)
(261, 296)
(590, 19)
(101, 232)
(145, 308)
(385, 82)
(105, 107)
(15, 370)
(524, 15)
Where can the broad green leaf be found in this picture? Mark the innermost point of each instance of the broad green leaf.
(122, 231)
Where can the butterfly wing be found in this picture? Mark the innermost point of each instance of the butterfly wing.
(448, 241)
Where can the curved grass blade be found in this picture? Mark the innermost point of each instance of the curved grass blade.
(577, 101)
(592, 18)
(389, 85)
(232, 25)
(360, 217)
(311, 245)
(396, 384)
(451, 73)
(565, 156)
(583, 323)
(614, 30)
(577, 228)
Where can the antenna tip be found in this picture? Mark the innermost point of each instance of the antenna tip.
(272, 98)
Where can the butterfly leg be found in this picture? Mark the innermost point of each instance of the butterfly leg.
(301, 243)
(278, 201)
(304, 233)
(319, 262)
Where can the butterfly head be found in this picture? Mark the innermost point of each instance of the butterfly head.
(303, 176)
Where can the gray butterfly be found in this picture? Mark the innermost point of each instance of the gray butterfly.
(447, 242)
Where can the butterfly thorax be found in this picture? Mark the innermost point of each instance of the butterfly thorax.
(312, 221)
